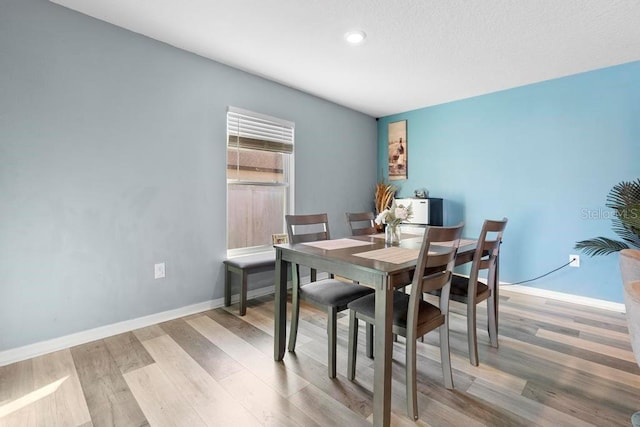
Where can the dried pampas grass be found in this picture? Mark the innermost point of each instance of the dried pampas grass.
(384, 195)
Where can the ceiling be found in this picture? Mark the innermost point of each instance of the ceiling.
(417, 53)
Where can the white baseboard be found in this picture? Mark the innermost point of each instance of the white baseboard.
(43, 347)
(37, 349)
(576, 299)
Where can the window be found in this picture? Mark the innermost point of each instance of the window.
(259, 179)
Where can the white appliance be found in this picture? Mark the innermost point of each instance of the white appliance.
(420, 208)
(425, 212)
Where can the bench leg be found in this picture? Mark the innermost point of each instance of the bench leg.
(227, 287)
(243, 294)
(369, 341)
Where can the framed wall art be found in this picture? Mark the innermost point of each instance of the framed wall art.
(397, 142)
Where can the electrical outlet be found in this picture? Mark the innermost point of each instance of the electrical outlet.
(158, 271)
(575, 260)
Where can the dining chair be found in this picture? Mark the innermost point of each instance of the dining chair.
(361, 223)
(470, 291)
(330, 294)
(412, 316)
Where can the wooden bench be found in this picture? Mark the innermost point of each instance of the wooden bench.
(243, 266)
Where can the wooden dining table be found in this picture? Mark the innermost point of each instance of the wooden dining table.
(369, 261)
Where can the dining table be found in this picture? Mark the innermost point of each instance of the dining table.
(371, 262)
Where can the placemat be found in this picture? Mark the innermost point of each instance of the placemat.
(337, 243)
(402, 236)
(399, 255)
(393, 254)
(463, 242)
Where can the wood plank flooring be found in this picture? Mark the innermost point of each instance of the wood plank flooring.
(558, 364)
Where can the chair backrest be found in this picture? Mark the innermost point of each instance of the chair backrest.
(437, 258)
(434, 268)
(361, 223)
(307, 228)
(488, 248)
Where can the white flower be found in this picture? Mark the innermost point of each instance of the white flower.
(401, 213)
(394, 215)
(382, 216)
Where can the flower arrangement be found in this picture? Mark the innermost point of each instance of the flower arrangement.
(383, 198)
(394, 215)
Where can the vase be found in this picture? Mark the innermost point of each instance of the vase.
(392, 235)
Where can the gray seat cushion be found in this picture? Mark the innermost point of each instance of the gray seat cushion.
(367, 306)
(264, 259)
(332, 292)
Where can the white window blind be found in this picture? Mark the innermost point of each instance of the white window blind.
(254, 131)
(259, 179)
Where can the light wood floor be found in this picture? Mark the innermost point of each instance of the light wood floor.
(558, 364)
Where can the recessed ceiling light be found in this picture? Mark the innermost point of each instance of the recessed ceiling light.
(355, 37)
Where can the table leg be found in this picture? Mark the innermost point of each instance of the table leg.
(280, 307)
(382, 355)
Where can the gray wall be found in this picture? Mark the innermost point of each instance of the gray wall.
(112, 158)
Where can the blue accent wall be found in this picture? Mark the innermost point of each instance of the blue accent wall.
(545, 156)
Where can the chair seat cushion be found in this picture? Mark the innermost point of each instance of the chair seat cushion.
(367, 306)
(332, 292)
(263, 259)
(460, 285)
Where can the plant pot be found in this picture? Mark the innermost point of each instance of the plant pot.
(630, 270)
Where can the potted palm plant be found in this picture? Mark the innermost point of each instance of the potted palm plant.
(624, 199)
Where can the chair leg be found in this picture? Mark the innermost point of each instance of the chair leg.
(295, 309)
(492, 320)
(369, 335)
(412, 392)
(445, 355)
(332, 314)
(353, 345)
(472, 336)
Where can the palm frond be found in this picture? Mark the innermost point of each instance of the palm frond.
(624, 195)
(624, 199)
(600, 246)
(627, 232)
(631, 217)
